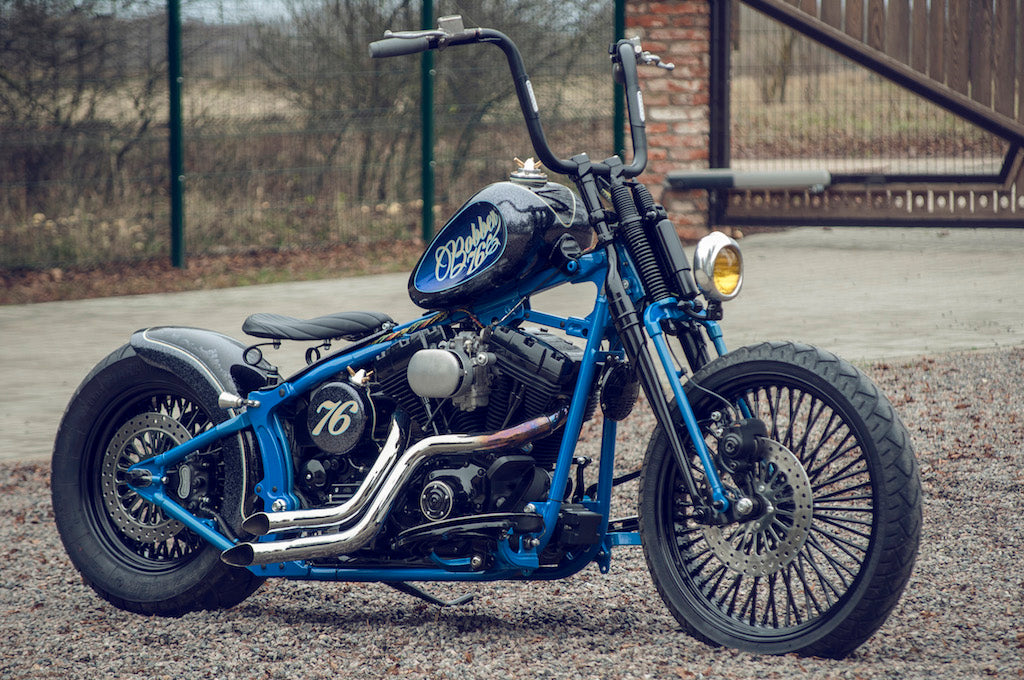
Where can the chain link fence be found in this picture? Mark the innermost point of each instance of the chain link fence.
(293, 136)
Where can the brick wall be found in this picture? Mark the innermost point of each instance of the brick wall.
(676, 101)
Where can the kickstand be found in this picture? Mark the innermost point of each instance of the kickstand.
(410, 589)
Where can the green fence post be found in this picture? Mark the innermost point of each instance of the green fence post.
(176, 152)
(427, 124)
(619, 112)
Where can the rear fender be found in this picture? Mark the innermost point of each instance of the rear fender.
(209, 362)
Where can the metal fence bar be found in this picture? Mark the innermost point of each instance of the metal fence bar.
(427, 126)
(176, 149)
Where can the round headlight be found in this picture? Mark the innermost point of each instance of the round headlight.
(718, 266)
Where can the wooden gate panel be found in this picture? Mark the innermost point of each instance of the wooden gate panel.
(980, 61)
(855, 19)
(1005, 56)
(964, 55)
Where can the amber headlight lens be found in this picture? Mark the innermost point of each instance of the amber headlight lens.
(718, 266)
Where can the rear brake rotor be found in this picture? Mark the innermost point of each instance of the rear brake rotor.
(143, 437)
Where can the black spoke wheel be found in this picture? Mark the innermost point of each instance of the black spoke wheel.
(820, 568)
(127, 549)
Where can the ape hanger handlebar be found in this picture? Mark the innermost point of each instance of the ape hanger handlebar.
(625, 55)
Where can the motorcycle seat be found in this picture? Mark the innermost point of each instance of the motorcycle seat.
(344, 325)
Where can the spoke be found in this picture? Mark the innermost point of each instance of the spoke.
(827, 587)
(698, 568)
(838, 494)
(791, 607)
(751, 601)
(733, 591)
(773, 410)
(841, 543)
(842, 522)
(837, 566)
(831, 429)
(770, 607)
(718, 574)
(809, 598)
(840, 508)
(839, 452)
(846, 471)
(813, 414)
(794, 409)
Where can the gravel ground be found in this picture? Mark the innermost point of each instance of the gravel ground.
(959, 618)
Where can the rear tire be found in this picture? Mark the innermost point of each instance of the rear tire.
(126, 549)
(820, 573)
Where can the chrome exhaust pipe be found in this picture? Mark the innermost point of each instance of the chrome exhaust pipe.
(359, 534)
(263, 523)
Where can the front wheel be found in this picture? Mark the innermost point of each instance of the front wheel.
(820, 568)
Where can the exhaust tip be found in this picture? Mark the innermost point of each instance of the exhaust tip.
(257, 525)
(240, 555)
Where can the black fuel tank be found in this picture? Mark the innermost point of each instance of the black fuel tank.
(502, 235)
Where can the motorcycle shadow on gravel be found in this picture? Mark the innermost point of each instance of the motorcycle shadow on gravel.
(496, 608)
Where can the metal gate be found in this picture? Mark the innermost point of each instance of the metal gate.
(964, 57)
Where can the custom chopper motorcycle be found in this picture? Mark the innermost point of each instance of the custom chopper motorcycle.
(779, 500)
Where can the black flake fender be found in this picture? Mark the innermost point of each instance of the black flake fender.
(209, 362)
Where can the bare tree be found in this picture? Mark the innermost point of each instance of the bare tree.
(553, 36)
(61, 62)
(319, 60)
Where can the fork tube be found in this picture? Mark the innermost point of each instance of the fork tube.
(653, 325)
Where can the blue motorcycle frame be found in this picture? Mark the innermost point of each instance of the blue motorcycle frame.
(609, 267)
(260, 416)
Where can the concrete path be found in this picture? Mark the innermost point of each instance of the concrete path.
(863, 293)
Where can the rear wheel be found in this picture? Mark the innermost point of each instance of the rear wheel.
(820, 571)
(127, 549)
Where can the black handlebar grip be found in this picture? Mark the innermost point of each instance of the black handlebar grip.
(396, 47)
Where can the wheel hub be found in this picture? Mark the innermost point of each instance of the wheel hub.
(767, 544)
(143, 437)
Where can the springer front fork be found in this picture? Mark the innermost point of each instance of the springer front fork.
(666, 310)
(633, 333)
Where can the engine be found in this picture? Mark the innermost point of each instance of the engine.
(478, 381)
(441, 380)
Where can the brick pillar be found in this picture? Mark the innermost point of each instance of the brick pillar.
(676, 101)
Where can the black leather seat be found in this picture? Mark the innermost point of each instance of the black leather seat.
(344, 325)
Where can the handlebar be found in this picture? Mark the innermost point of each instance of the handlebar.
(624, 57)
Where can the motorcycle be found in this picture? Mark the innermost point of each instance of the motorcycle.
(779, 499)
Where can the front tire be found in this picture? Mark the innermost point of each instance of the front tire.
(820, 572)
(126, 549)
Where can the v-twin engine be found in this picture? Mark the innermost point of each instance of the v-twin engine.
(473, 381)
(448, 424)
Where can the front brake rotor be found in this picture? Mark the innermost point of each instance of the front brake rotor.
(765, 545)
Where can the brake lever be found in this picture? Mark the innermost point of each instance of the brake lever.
(648, 59)
(412, 35)
(448, 28)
